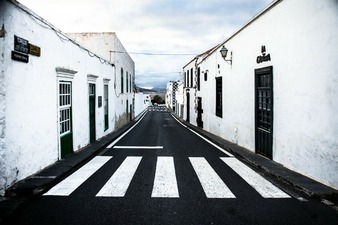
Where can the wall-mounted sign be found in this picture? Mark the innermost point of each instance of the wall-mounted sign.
(34, 50)
(100, 101)
(20, 44)
(23, 45)
(20, 57)
(264, 57)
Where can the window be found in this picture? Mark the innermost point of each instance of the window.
(131, 83)
(198, 79)
(188, 79)
(65, 107)
(205, 76)
(105, 96)
(185, 79)
(219, 96)
(191, 78)
(127, 83)
(121, 80)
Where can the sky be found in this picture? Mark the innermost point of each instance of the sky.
(181, 28)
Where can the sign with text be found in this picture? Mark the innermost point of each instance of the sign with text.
(100, 101)
(264, 57)
(20, 44)
(34, 50)
(20, 57)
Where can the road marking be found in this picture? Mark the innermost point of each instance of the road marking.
(213, 144)
(120, 137)
(119, 182)
(212, 184)
(260, 184)
(139, 147)
(165, 184)
(72, 182)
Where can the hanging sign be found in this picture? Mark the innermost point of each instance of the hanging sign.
(20, 44)
(20, 57)
(264, 57)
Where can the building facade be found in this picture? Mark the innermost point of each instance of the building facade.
(56, 96)
(275, 91)
(110, 47)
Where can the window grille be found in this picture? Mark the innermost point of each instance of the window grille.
(65, 103)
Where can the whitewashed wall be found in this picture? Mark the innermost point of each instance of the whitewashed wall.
(180, 99)
(110, 47)
(2, 105)
(301, 37)
(29, 136)
(191, 89)
(142, 102)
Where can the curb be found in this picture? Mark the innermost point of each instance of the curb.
(306, 185)
(39, 182)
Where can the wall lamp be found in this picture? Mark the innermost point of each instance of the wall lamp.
(224, 52)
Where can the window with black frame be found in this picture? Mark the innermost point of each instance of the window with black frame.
(219, 96)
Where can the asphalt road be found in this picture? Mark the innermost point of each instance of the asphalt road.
(160, 172)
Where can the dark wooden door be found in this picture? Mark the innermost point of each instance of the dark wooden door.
(264, 111)
(199, 112)
(92, 127)
(188, 107)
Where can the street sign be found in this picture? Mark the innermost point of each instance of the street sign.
(20, 44)
(20, 57)
(34, 50)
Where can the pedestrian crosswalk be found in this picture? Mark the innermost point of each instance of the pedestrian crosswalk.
(165, 184)
(119, 182)
(157, 109)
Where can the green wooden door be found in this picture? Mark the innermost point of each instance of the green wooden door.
(65, 113)
(92, 128)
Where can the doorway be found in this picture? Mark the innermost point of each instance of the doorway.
(92, 127)
(188, 107)
(65, 118)
(264, 111)
(199, 112)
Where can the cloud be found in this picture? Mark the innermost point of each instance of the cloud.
(155, 26)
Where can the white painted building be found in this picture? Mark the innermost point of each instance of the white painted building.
(174, 97)
(56, 96)
(142, 102)
(179, 99)
(275, 93)
(110, 47)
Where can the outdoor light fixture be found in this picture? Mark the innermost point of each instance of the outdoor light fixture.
(224, 52)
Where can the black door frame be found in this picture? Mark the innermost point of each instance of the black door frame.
(264, 111)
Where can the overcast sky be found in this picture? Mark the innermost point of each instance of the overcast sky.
(153, 26)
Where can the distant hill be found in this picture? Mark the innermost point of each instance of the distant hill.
(152, 90)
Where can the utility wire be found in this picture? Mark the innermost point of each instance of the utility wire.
(148, 53)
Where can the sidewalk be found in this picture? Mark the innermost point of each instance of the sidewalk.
(302, 183)
(50, 176)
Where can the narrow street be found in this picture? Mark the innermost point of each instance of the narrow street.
(161, 172)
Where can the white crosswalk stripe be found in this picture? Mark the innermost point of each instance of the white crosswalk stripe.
(261, 185)
(212, 184)
(72, 182)
(118, 184)
(165, 184)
